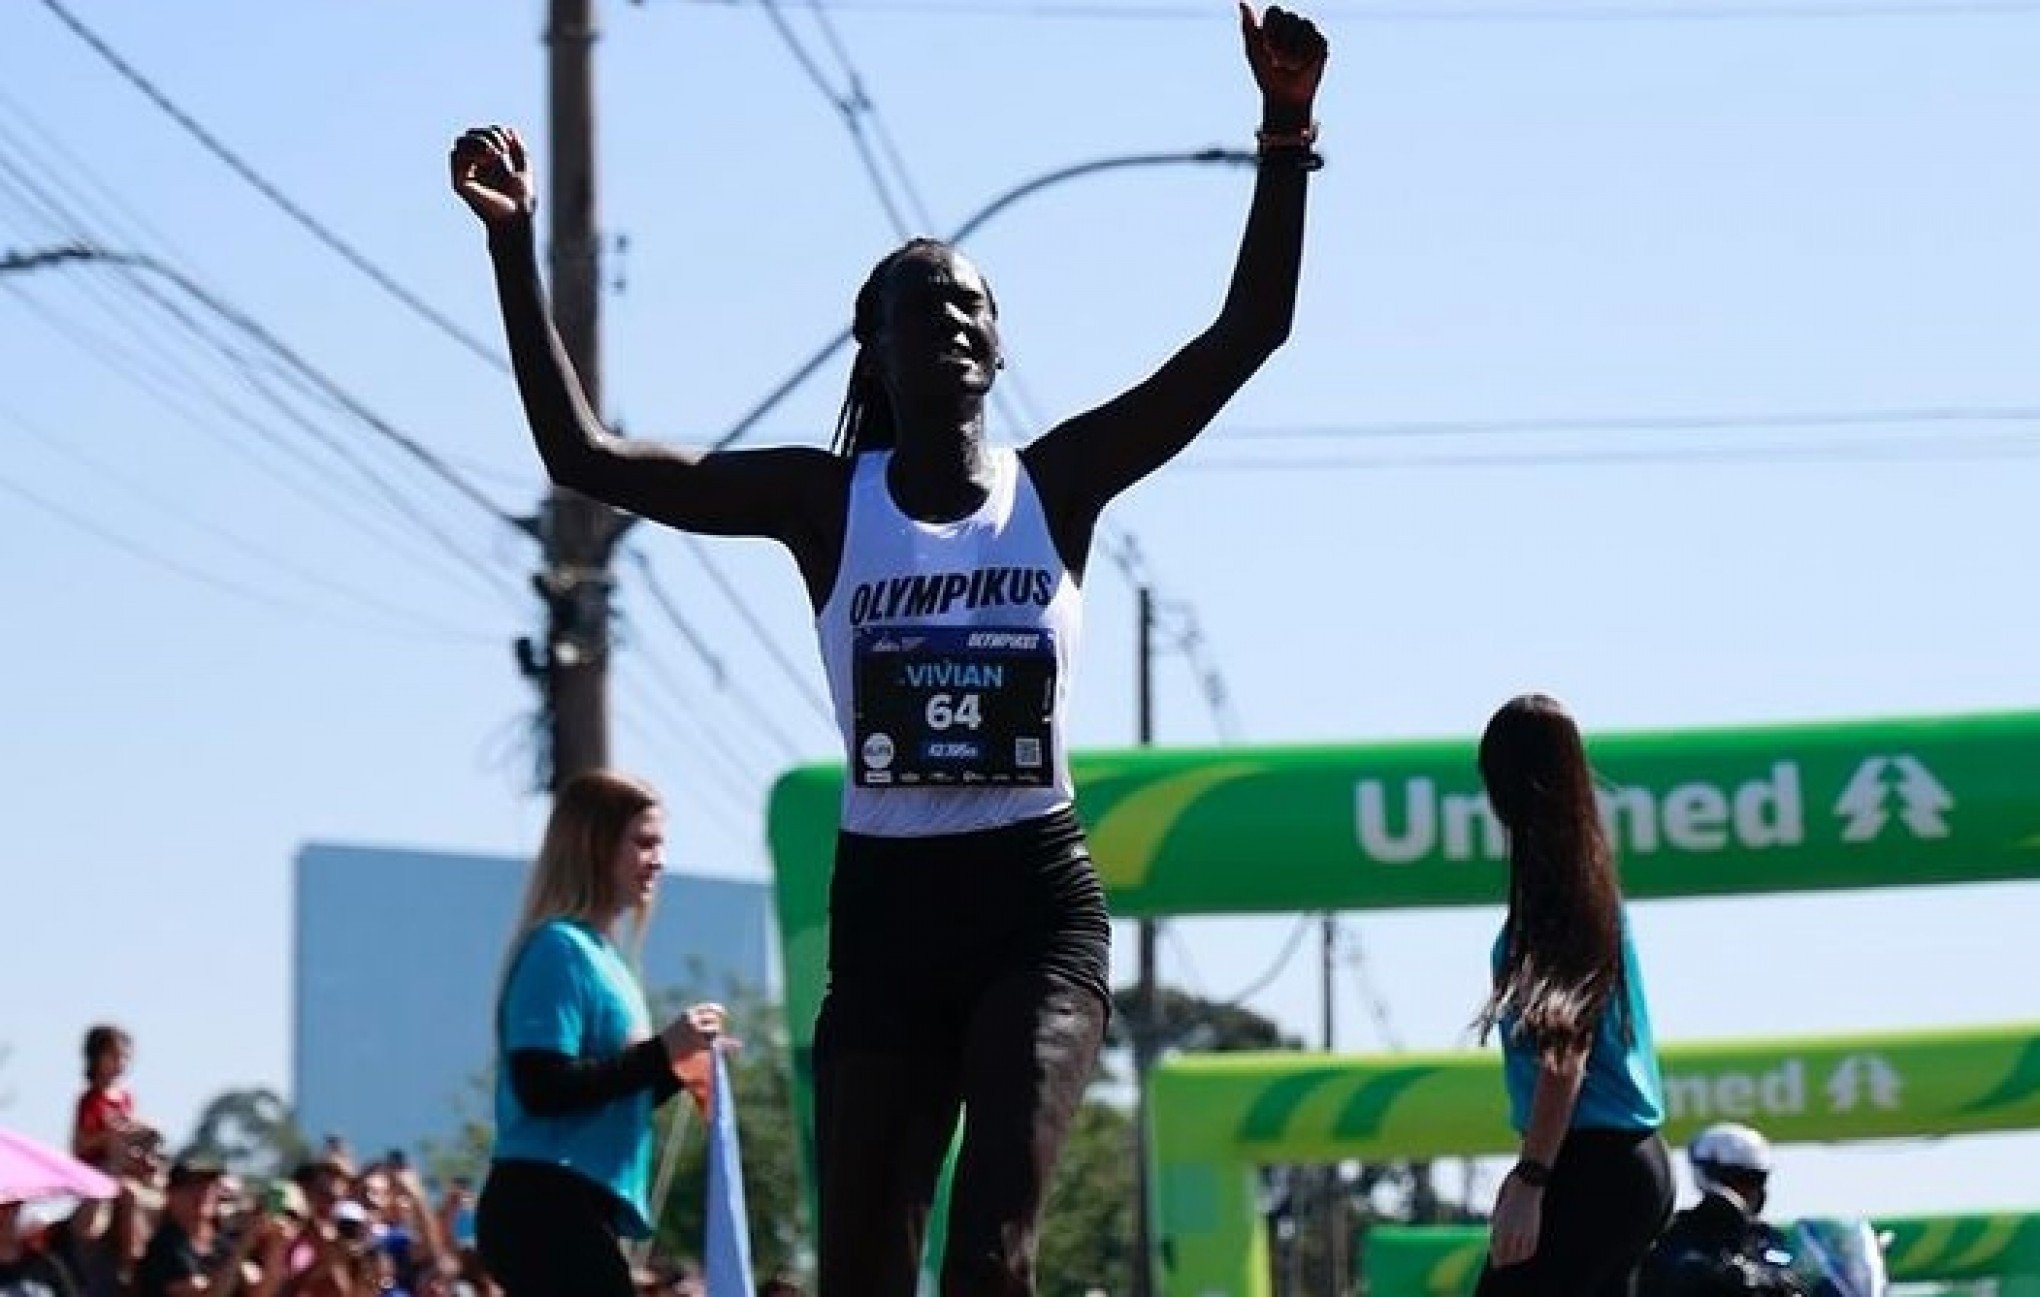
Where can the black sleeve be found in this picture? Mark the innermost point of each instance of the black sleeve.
(57, 1275)
(163, 1265)
(551, 1084)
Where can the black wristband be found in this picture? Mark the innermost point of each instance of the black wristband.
(1532, 1172)
(1301, 157)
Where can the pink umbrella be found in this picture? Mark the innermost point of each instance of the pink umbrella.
(30, 1171)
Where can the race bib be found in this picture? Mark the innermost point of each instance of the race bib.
(953, 706)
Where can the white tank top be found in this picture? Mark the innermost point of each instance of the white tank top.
(959, 624)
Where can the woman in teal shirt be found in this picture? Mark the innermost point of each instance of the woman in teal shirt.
(578, 1068)
(1593, 1186)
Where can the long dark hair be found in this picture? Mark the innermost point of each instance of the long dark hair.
(101, 1040)
(866, 420)
(1562, 945)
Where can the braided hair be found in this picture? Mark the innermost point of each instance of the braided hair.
(866, 420)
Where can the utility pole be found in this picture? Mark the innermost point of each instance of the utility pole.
(1334, 1202)
(571, 666)
(1328, 953)
(1144, 1024)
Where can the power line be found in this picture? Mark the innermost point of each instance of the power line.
(853, 106)
(391, 495)
(1264, 436)
(1274, 970)
(61, 214)
(661, 671)
(1173, 934)
(147, 554)
(650, 723)
(717, 671)
(1376, 1003)
(102, 470)
(793, 673)
(318, 483)
(1122, 549)
(1186, 636)
(139, 231)
(240, 167)
(807, 369)
(2001, 447)
(886, 142)
(1076, 10)
(720, 768)
(83, 253)
(667, 605)
(1760, 420)
(856, 107)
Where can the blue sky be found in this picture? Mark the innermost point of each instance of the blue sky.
(1524, 218)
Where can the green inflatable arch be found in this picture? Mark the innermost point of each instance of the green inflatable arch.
(1216, 1117)
(1444, 1260)
(1708, 812)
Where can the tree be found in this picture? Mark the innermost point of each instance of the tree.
(465, 1154)
(251, 1132)
(761, 1078)
(1316, 1216)
(1087, 1232)
(1190, 1022)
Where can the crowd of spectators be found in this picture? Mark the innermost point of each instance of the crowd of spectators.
(184, 1225)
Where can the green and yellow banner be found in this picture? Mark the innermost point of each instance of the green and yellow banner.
(1214, 1118)
(1445, 1260)
(1269, 1108)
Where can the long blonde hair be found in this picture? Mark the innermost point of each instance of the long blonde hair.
(574, 876)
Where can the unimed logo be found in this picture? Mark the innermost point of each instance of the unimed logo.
(1405, 821)
(1854, 1083)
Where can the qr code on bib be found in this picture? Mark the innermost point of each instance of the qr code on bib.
(1027, 752)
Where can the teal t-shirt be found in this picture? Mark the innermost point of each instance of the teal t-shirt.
(569, 991)
(1622, 1089)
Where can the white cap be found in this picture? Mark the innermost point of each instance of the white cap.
(1727, 1147)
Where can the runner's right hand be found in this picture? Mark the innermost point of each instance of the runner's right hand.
(492, 175)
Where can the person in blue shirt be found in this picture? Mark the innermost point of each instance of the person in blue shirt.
(579, 1069)
(1592, 1186)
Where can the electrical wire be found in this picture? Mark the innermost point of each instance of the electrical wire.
(1275, 969)
(147, 554)
(727, 740)
(670, 608)
(106, 472)
(73, 199)
(2002, 447)
(749, 617)
(430, 460)
(1119, 10)
(1354, 951)
(269, 190)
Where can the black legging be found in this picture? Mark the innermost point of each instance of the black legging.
(545, 1231)
(967, 972)
(1609, 1198)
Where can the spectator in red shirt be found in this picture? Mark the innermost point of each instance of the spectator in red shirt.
(105, 1130)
